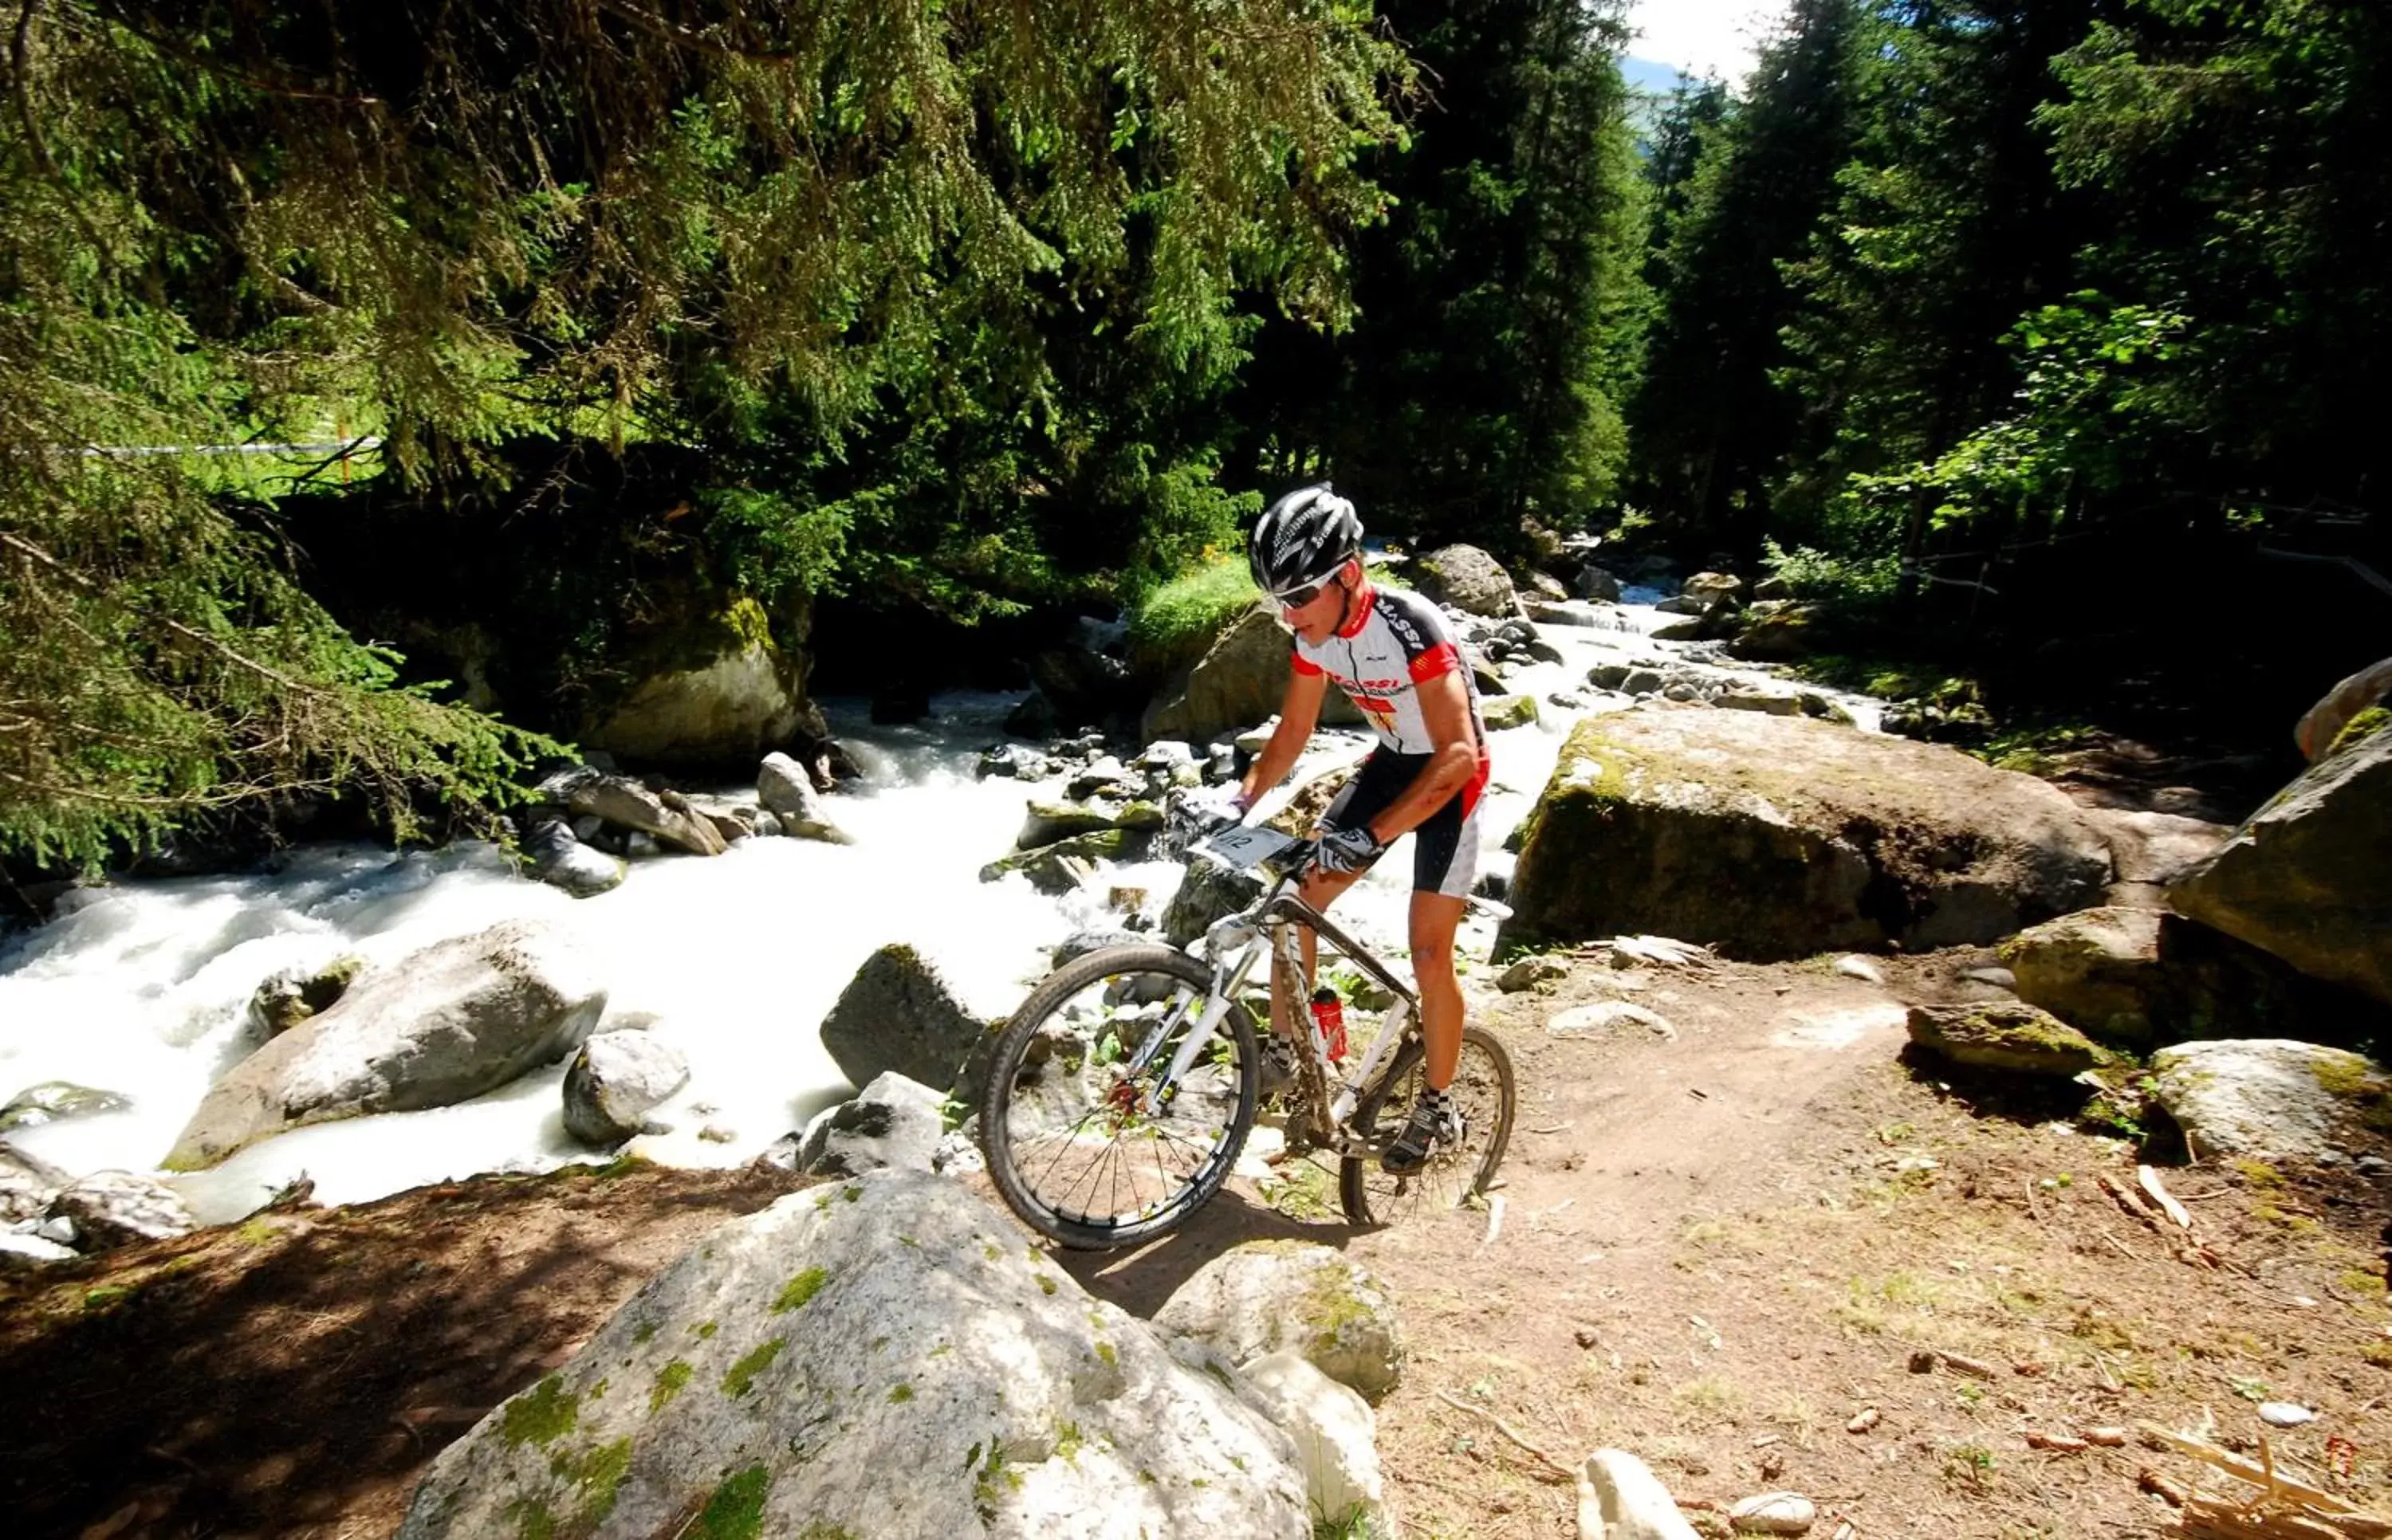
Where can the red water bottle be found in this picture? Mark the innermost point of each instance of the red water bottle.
(1328, 1014)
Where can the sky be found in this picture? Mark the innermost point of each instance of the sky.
(1699, 35)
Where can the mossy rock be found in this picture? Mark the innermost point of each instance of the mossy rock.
(2308, 877)
(2099, 971)
(1501, 712)
(1783, 836)
(1048, 867)
(2008, 1035)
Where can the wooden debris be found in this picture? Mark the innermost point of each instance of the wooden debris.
(2286, 1507)
(2058, 1444)
(2161, 1487)
(2108, 1438)
(1503, 1428)
(2135, 1205)
(1868, 1417)
(1974, 1368)
(2149, 1179)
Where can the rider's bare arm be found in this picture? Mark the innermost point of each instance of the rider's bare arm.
(1445, 709)
(1299, 713)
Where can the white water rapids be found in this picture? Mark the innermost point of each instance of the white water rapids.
(141, 988)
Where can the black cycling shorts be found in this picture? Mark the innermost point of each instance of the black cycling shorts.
(1444, 848)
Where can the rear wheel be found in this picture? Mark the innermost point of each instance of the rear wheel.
(1481, 1088)
(1070, 1144)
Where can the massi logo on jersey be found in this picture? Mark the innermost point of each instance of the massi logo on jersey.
(1401, 624)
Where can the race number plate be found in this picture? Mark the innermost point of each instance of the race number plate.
(1241, 847)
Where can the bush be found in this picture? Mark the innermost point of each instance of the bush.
(1172, 624)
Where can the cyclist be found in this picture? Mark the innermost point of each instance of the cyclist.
(1391, 654)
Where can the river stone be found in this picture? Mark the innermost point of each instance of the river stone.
(441, 1026)
(1266, 1295)
(1604, 1017)
(2099, 970)
(1529, 972)
(558, 859)
(1237, 682)
(787, 793)
(1773, 837)
(883, 1356)
(898, 1014)
(27, 1184)
(893, 1121)
(1772, 1513)
(1466, 578)
(1068, 864)
(53, 1100)
(1595, 584)
(1048, 821)
(619, 800)
(1508, 711)
(111, 1209)
(1207, 892)
(2008, 1035)
(2310, 875)
(2270, 1099)
(615, 1081)
(28, 1253)
(1775, 631)
(1711, 589)
(1620, 1498)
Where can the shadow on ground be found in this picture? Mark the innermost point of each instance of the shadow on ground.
(298, 1370)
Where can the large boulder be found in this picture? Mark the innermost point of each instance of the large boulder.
(1774, 836)
(2310, 875)
(900, 1014)
(2321, 726)
(441, 1026)
(893, 1121)
(882, 1357)
(615, 1081)
(2268, 1098)
(1240, 680)
(712, 691)
(1269, 1294)
(1466, 578)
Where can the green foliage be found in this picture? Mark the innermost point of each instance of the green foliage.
(1174, 622)
(1501, 303)
(861, 255)
(2085, 405)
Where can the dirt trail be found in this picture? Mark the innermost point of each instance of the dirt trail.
(1719, 1246)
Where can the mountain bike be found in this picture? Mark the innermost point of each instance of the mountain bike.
(1121, 1092)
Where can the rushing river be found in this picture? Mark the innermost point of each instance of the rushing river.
(142, 987)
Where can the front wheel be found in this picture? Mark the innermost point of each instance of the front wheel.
(1062, 1118)
(1481, 1088)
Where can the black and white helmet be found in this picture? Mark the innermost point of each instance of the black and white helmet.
(1303, 539)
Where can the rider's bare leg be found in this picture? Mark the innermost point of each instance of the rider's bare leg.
(1434, 917)
(1319, 889)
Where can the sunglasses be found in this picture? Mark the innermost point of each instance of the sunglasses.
(1296, 599)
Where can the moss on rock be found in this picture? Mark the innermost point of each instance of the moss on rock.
(2005, 1035)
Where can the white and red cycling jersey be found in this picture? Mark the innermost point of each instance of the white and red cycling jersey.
(1395, 643)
